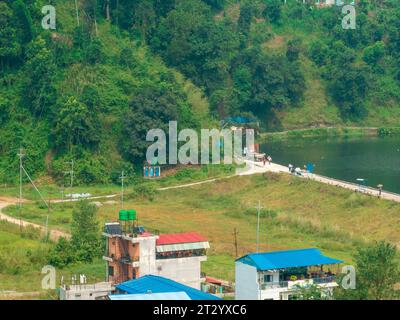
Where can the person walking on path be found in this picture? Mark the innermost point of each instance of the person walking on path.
(264, 160)
(269, 159)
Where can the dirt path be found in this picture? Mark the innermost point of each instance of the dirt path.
(7, 201)
(10, 295)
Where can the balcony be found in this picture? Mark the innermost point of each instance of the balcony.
(180, 254)
(298, 283)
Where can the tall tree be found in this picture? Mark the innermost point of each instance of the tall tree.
(38, 91)
(9, 47)
(76, 125)
(23, 22)
(377, 272)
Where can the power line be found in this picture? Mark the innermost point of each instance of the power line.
(21, 155)
(47, 205)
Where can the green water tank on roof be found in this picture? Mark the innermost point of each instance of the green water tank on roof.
(123, 215)
(131, 215)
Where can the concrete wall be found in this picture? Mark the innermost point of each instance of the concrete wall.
(86, 291)
(147, 255)
(183, 270)
(246, 285)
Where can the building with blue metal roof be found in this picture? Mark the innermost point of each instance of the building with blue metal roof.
(152, 284)
(276, 275)
(287, 259)
(150, 296)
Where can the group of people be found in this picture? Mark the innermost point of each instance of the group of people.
(267, 158)
(309, 168)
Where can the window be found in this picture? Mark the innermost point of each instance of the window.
(111, 271)
(267, 278)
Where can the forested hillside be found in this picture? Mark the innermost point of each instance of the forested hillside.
(113, 69)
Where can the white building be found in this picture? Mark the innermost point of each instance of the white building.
(86, 291)
(132, 254)
(277, 275)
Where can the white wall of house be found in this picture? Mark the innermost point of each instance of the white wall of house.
(147, 255)
(184, 270)
(246, 285)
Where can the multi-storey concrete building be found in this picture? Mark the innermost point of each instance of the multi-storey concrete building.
(131, 252)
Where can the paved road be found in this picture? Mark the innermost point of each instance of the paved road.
(273, 167)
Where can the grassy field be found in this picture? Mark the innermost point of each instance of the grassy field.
(171, 176)
(297, 214)
(22, 257)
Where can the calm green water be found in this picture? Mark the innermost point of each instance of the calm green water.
(375, 159)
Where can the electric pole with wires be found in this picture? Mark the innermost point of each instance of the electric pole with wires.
(71, 172)
(259, 207)
(122, 177)
(21, 155)
(235, 233)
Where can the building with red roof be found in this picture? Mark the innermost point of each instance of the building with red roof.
(133, 252)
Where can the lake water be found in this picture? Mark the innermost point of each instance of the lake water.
(376, 159)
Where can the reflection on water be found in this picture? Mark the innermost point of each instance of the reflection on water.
(373, 158)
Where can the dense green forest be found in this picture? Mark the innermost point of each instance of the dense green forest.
(113, 69)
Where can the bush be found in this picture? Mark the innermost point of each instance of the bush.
(264, 213)
(30, 232)
(388, 131)
(62, 254)
(144, 190)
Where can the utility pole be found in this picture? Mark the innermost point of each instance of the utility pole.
(21, 154)
(71, 172)
(62, 196)
(47, 228)
(259, 207)
(122, 177)
(235, 233)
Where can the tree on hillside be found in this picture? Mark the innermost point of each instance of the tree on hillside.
(373, 54)
(247, 12)
(273, 10)
(84, 227)
(275, 82)
(94, 51)
(293, 49)
(9, 47)
(216, 4)
(144, 17)
(39, 92)
(23, 22)
(85, 243)
(319, 52)
(190, 39)
(151, 108)
(377, 272)
(76, 125)
(348, 89)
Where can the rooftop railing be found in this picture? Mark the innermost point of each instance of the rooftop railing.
(299, 283)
